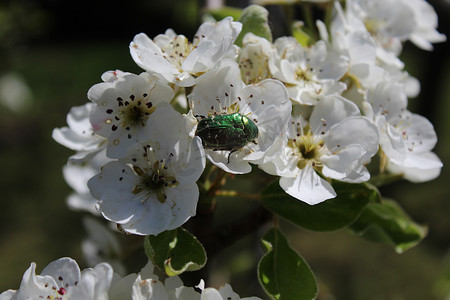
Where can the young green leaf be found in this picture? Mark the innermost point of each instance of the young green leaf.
(329, 215)
(302, 36)
(254, 19)
(386, 222)
(283, 274)
(175, 251)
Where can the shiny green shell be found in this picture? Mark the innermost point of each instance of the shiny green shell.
(228, 132)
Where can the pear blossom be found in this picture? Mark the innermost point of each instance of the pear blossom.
(254, 57)
(174, 58)
(80, 135)
(405, 138)
(77, 175)
(123, 105)
(392, 22)
(62, 279)
(337, 143)
(307, 72)
(153, 188)
(359, 48)
(225, 292)
(424, 32)
(221, 91)
(101, 245)
(146, 286)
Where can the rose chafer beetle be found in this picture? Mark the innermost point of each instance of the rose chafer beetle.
(229, 132)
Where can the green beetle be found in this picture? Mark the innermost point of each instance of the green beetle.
(229, 132)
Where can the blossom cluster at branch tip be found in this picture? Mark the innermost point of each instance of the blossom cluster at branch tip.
(322, 112)
(63, 280)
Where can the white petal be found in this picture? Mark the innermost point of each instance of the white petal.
(421, 134)
(65, 270)
(332, 109)
(150, 57)
(94, 283)
(8, 295)
(269, 105)
(33, 286)
(113, 187)
(308, 187)
(148, 289)
(184, 198)
(218, 88)
(233, 163)
(423, 167)
(358, 131)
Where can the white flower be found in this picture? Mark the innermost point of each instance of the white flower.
(77, 176)
(358, 46)
(424, 32)
(307, 72)
(124, 104)
(391, 22)
(266, 104)
(80, 136)
(179, 61)
(225, 292)
(337, 143)
(101, 245)
(153, 188)
(147, 286)
(62, 279)
(406, 138)
(121, 287)
(254, 57)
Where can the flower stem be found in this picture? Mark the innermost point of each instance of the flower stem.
(230, 193)
(309, 20)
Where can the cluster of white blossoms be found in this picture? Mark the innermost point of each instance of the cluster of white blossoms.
(63, 280)
(316, 113)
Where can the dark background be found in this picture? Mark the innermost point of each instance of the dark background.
(61, 48)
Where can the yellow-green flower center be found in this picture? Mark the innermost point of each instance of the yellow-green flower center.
(307, 148)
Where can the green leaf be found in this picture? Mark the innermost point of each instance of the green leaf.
(386, 222)
(282, 272)
(175, 251)
(302, 37)
(329, 215)
(254, 19)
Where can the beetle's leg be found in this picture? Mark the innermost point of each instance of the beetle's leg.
(199, 116)
(254, 142)
(234, 150)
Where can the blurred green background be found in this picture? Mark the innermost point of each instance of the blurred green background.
(59, 49)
